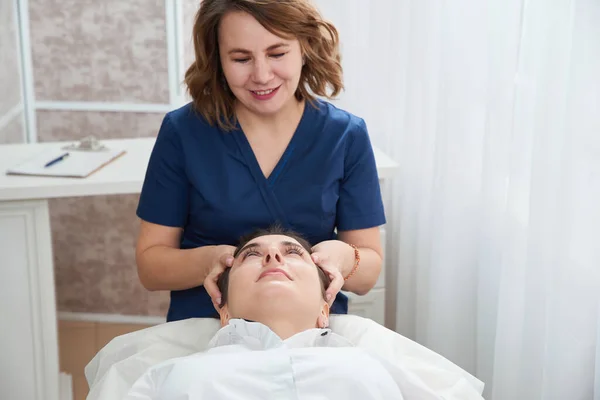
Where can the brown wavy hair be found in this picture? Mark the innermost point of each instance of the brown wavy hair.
(291, 19)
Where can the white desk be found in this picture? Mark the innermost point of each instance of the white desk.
(28, 338)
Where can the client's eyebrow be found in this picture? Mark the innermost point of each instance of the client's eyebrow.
(288, 243)
(255, 245)
(246, 247)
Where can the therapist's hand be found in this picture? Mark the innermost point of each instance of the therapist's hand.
(222, 259)
(336, 258)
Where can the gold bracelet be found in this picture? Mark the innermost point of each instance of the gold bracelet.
(356, 262)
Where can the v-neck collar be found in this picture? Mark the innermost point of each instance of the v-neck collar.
(257, 336)
(250, 157)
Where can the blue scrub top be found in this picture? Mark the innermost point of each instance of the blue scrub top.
(209, 183)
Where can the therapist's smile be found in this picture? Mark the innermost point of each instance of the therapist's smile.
(265, 94)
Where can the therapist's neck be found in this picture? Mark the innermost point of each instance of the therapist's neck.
(286, 119)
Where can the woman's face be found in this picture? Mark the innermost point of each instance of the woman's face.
(274, 268)
(262, 70)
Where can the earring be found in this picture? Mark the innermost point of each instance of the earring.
(323, 322)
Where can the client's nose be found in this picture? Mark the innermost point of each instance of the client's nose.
(273, 256)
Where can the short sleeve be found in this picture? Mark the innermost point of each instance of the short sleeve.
(360, 205)
(165, 194)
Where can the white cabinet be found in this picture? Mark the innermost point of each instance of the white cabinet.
(372, 305)
(29, 367)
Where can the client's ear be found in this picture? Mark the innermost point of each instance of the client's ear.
(224, 314)
(323, 320)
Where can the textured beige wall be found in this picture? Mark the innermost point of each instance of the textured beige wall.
(99, 51)
(109, 50)
(69, 125)
(93, 242)
(10, 78)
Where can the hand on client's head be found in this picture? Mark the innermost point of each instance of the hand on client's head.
(274, 281)
(222, 260)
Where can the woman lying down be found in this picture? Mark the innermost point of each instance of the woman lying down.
(274, 342)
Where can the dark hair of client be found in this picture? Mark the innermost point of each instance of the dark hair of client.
(223, 281)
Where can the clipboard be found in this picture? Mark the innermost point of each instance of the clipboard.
(84, 158)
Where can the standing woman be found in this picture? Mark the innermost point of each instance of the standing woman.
(254, 148)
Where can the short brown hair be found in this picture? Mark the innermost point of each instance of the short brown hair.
(299, 19)
(223, 281)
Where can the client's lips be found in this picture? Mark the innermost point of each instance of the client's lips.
(272, 271)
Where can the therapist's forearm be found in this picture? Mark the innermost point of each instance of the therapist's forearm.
(166, 268)
(365, 277)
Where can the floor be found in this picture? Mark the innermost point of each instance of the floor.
(79, 342)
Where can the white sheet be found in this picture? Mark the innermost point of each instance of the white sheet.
(118, 365)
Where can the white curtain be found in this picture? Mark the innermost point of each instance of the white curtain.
(492, 110)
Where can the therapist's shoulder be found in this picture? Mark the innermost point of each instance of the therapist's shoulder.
(339, 121)
(186, 121)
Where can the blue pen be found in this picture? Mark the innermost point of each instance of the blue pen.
(49, 163)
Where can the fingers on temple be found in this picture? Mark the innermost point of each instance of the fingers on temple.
(320, 259)
(227, 260)
(334, 287)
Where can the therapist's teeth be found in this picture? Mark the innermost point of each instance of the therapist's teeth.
(263, 92)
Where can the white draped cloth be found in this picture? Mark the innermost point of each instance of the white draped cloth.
(247, 360)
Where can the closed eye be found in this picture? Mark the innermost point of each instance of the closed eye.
(246, 59)
(251, 253)
(296, 250)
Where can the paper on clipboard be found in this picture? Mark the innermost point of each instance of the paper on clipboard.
(79, 164)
